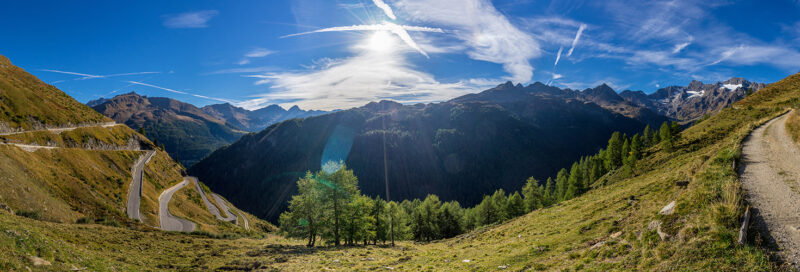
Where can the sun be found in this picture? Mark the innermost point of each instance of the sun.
(380, 41)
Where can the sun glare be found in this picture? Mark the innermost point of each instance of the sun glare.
(381, 41)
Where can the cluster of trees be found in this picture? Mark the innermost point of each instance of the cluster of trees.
(330, 205)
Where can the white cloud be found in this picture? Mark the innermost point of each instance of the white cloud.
(558, 56)
(399, 30)
(557, 76)
(196, 19)
(386, 9)
(779, 56)
(679, 47)
(370, 75)
(255, 53)
(487, 33)
(577, 38)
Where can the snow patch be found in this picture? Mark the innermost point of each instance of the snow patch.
(695, 93)
(731, 86)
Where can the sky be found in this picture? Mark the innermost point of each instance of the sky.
(339, 54)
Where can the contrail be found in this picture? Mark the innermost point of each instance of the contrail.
(90, 76)
(577, 37)
(400, 30)
(181, 92)
(386, 8)
(558, 57)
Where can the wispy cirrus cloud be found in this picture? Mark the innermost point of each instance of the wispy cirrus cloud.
(487, 33)
(255, 53)
(195, 19)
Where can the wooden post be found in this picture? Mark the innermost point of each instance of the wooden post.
(745, 225)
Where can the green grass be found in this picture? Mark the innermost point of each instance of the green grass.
(26, 102)
(793, 126)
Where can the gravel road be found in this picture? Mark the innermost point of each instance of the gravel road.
(770, 175)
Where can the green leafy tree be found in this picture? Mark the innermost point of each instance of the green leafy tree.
(304, 217)
(358, 224)
(380, 217)
(425, 225)
(450, 220)
(398, 222)
(338, 189)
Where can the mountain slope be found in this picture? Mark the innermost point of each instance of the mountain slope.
(695, 100)
(606, 229)
(458, 150)
(28, 103)
(187, 132)
(82, 171)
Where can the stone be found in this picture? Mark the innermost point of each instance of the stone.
(465, 260)
(669, 209)
(615, 235)
(38, 261)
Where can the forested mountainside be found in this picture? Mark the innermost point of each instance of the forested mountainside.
(459, 150)
(187, 132)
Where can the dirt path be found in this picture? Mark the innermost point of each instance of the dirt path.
(770, 175)
(59, 130)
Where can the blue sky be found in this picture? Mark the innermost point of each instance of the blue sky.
(324, 54)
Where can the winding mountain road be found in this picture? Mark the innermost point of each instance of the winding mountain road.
(229, 217)
(770, 175)
(170, 222)
(135, 189)
(59, 130)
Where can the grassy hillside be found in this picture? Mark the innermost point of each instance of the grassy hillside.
(26, 102)
(793, 126)
(86, 177)
(605, 229)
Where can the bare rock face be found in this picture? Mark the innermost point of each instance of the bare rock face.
(694, 101)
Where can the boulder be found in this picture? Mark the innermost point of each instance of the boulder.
(669, 209)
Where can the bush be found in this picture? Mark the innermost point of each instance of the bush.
(30, 214)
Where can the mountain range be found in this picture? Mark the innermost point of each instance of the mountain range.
(187, 132)
(459, 149)
(695, 100)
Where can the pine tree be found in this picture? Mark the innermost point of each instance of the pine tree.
(516, 205)
(575, 187)
(549, 193)
(427, 219)
(614, 151)
(626, 150)
(304, 217)
(675, 130)
(636, 147)
(646, 136)
(379, 215)
(339, 188)
(450, 219)
(398, 221)
(561, 184)
(666, 137)
(534, 197)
